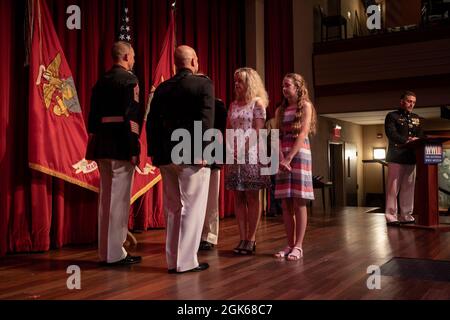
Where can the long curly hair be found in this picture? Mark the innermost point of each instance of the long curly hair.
(303, 98)
(253, 84)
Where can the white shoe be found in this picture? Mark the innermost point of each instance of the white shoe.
(391, 219)
(407, 218)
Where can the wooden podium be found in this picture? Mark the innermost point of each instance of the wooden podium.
(427, 200)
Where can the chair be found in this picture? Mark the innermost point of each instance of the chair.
(319, 184)
(434, 10)
(331, 22)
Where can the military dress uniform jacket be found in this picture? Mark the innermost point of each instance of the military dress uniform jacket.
(220, 123)
(177, 104)
(399, 126)
(114, 117)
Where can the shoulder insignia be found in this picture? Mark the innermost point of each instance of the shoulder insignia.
(200, 75)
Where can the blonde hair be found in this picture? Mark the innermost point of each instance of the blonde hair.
(302, 99)
(253, 84)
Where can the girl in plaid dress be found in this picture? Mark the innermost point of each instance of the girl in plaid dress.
(296, 119)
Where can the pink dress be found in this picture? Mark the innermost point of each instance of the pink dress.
(242, 177)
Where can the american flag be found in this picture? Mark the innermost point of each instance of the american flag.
(125, 29)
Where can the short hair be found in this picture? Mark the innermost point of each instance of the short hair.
(120, 49)
(407, 94)
(183, 56)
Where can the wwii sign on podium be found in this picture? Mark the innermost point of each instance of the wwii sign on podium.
(433, 153)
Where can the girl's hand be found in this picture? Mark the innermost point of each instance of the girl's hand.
(285, 164)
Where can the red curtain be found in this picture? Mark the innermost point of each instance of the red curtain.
(279, 48)
(216, 29)
(38, 212)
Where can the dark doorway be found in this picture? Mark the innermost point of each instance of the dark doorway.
(351, 175)
(336, 165)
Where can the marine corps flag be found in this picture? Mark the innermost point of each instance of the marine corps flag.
(57, 132)
(164, 70)
(166, 64)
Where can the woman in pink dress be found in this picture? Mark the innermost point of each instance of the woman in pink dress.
(247, 113)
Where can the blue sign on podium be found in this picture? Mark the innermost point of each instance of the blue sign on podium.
(434, 153)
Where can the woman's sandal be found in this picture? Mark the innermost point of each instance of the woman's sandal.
(239, 247)
(283, 253)
(249, 248)
(295, 254)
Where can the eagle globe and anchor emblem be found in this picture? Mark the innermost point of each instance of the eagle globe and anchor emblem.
(60, 96)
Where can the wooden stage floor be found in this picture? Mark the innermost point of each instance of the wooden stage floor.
(338, 249)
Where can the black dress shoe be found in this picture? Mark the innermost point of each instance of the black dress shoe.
(201, 267)
(126, 261)
(205, 245)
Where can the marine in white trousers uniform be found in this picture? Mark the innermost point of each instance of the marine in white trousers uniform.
(400, 183)
(185, 197)
(211, 226)
(114, 207)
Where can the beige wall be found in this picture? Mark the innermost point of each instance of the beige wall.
(350, 6)
(373, 179)
(382, 100)
(306, 31)
(303, 40)
(350, 133)
(254, 36)
(417, 59)
(436, 125)
(316, 14)
(342, 78)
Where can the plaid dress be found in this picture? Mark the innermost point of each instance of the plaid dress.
(297, 183)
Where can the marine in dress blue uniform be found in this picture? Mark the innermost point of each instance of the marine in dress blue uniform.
(401, 126)
(113, 127)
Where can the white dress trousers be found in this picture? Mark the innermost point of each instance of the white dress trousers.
(185, 194)
(211, 227)
(400, 183)
(116, 179)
